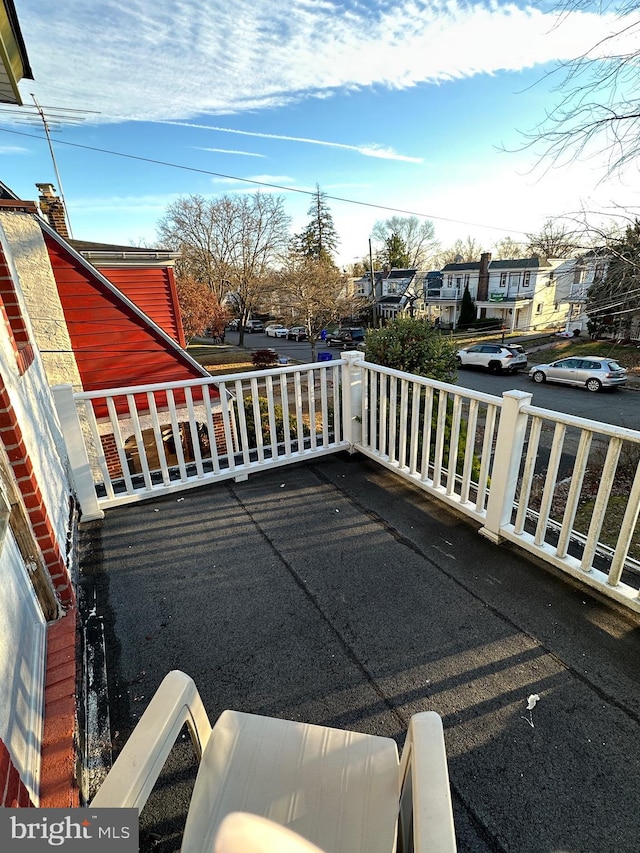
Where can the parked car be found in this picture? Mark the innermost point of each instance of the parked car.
(233, 325)
(345, 338)
(591, 372)
(276, 330)
(297, 333)
(254, 326)
(498, 357)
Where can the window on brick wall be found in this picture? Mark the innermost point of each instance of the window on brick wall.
(13, 318)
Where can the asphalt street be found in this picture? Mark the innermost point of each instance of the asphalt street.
(335, 593)
(620, 406)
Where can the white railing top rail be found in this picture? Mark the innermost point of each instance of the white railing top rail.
(480, 396)
(611, 430)
(227, 378)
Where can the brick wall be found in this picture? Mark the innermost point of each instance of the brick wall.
(13, 793)
(58, 783)
(11, 437)
(111, 456)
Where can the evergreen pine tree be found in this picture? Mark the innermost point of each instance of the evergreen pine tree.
(319, 240)
(467, 309)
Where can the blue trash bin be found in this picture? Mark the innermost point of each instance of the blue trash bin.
(325, 356)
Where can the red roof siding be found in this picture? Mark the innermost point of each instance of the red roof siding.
(113, 346)
(153, 290)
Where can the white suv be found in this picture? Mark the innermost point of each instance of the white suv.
(497, 357)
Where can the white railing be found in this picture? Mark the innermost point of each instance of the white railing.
(410, 425)
(133, 443)
(546, 481)
(554, 484)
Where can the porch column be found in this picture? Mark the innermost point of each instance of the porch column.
(77, 452)
(352, 398)
(508, 457)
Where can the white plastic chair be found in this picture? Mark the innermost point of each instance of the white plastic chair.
(340, 790)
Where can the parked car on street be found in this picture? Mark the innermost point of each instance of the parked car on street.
(276, 330)
(498, 357)
(297, 333)
(254, 326)
(590, 372)
(233, 325)
(345, 338)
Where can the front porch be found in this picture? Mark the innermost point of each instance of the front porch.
(335, 592)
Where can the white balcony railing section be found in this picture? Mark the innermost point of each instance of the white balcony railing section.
(565, 489)
(133, 443)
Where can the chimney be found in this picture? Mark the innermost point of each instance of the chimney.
(53, 209)
(483, 277)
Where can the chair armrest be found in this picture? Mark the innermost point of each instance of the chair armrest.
(136, 770)
(426, 815)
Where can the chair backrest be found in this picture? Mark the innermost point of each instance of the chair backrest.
(131, 779)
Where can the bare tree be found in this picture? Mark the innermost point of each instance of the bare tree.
(230, 243)
(462, 251)
(554, 240)
(508, 249)
(598, 108)
(317, 292)
(614, 297)
(418, 239)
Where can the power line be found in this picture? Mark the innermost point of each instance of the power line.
(282, 187)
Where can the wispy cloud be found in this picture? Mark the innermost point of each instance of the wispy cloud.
(228, 151)
(13, 149)
(365, 150)
(141, 54)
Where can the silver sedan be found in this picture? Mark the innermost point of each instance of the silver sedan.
(590, 372)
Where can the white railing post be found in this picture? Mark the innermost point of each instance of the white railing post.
(507, 461)
(352, 398)
(77, 452)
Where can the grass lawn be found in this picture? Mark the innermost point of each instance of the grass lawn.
(220, 359)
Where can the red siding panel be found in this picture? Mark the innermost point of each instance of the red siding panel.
(113, 346)
(153, 291)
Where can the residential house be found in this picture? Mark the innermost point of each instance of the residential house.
(519, 294)
(397, 292)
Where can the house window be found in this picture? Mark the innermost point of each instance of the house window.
(466, 280)
(539, 308)
(526, 280)
(503, 279)
(14, 321)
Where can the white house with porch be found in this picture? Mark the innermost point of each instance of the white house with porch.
(519, 294)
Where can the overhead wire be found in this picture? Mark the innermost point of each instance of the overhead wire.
(282, 187)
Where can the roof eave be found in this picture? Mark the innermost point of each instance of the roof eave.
(13, 55)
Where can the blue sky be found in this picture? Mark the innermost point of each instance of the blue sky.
(399, 104)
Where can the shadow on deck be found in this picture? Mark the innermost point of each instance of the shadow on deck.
(333, 592)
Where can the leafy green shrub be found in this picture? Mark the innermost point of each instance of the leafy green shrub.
(265, 423)
(413, 346)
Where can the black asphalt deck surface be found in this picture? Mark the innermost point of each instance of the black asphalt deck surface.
(334, 593)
